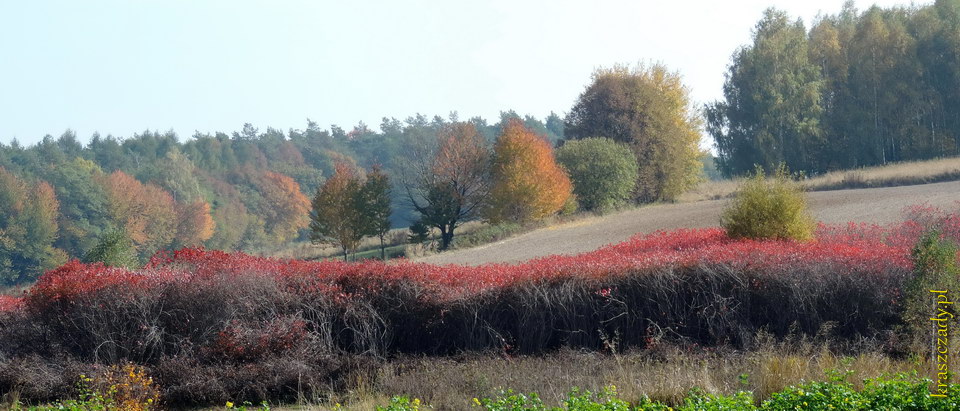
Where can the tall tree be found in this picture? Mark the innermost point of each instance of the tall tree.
(337, 215)
(771, 113)
(376, 206)
(648, 109)
(28, 228)
(447, 183)
(145, 211)
(528, 184)
(194, 223)
(284, 208)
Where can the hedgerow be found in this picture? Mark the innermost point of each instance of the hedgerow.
(210, 325)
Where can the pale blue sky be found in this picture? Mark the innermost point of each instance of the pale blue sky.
(120, 67)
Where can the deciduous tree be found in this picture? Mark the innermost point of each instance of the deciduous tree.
(604, 172)
(28, 228)
(648, 109)
(284, 208)
(528, 184)
(447, 183)
(338, 215)
(376, 206)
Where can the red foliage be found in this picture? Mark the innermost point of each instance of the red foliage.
(9, 302)
(852, 248)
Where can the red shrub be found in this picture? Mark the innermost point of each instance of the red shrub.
(9, 303)
(212, 308)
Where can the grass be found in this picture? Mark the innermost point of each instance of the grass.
(665, 374)
(891, 175)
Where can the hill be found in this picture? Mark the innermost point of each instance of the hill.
(873, 205)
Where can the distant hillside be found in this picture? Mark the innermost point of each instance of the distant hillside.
(232, 191)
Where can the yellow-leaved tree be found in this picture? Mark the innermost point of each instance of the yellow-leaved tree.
(528, 184)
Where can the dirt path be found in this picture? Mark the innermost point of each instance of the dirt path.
(874, 205)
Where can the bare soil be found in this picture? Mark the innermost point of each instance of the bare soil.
(873, 205)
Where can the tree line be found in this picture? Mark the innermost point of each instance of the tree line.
(859, 88)
(245, 190)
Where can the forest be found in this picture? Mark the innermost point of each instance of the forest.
(859, 88)
(238, 191)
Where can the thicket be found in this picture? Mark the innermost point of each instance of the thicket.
(210, 325)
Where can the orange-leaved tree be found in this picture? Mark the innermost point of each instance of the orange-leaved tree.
(145, 211)
(285, 208)
(194, 223)
(528, 184)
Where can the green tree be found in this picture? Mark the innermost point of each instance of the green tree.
(604, 172)
(337, 215)
(83, 205)
(28, 228)
(771, 113)
(774, 208)
(114, 249)
(376, 206)
(649, 110)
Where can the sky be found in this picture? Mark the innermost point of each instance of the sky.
(121, 67)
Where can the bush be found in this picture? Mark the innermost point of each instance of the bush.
(772, 207)
(488, 234)
(935, 268)
(604, 172)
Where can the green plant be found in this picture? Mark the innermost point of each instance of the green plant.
(114, 249)
(402, 403)
(773, 207)
(604, 172)
(935, 269)
(606, 400)
(903, 392)
(511, 401)
(698, 400)
(817, 396)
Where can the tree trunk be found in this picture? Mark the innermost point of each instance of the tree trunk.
(383, 250)
(446, 237)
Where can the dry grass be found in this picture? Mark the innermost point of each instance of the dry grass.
(665, 375)
(907, 173)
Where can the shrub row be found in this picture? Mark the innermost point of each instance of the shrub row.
(212, 326)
